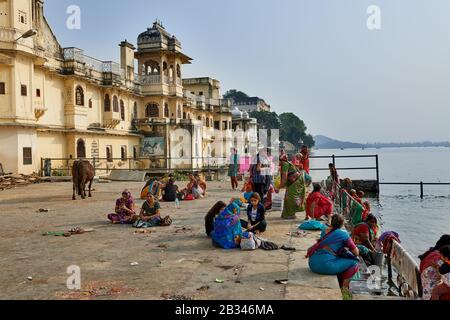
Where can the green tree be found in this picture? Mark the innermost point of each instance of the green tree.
(235, 95)
(266, 120)
(293, 129)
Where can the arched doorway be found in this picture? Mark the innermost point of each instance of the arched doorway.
(81, 149)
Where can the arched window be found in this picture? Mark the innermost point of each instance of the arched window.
(207, 122)
(109, 156)
(123, 153)
(184, 115)
(90, 103)
(115, 104)
(135, 152)
(204, 121)
(199, 118)
(171, 73)
(178, 71)
(152, 111)
(179, 112)
(135, 111)
(151, 67)
(79, 96)
(107, 103)
(166, 110)
(189, 116)
(122, 110)
(81, 149)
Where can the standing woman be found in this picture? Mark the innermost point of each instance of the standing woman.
(295, 181)
(233, 169)
(305, 159)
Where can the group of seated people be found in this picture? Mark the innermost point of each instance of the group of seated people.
(224, 225)
(435, 270)
(165, 189)
(126, 213)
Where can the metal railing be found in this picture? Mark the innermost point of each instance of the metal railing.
(333, 158)
(63, 166)
(421, 184)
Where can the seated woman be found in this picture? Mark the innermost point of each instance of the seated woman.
(365, 236)
(152, 186)
(429, 267)
(256, 214)
(202, 184)
(227, 232)
(170, 193)
(327, 256)
(248, 192)
(150, 215)
(124, 211)
(318, 205)
(211, 217)
(442, 291)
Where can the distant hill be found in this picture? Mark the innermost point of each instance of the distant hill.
(323, 142)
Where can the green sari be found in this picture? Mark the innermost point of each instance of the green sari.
(295, 191)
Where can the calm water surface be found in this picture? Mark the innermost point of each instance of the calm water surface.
(419, 222)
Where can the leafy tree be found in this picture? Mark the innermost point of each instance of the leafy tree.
(235, 95)
(293, 129)
(266, 120)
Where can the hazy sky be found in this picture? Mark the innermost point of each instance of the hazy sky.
(316, 58)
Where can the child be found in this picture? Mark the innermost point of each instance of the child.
(256, 215)
(442, 291)
(211, 216)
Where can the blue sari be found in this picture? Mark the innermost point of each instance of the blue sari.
(227, 232)
(324, 260)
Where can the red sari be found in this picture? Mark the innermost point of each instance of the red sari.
(323, 205)
(305, 162)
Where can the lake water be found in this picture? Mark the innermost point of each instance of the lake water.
(419, 222)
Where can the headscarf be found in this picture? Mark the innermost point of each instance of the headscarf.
(128, 202)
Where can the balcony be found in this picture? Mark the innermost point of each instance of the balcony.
(111, 119)
(107, 72)
(201, 102)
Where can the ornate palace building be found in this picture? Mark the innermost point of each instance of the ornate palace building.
(61, 103)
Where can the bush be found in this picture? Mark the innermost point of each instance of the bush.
(60, 173)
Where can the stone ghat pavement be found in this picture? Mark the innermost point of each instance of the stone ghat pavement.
(176, 262)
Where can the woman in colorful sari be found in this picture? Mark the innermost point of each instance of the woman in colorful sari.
(125, 210)
(365, 236)
(318, 206)
(305, 158)
(429, 267)
(227, 232)
(329, 256)
(296, 182)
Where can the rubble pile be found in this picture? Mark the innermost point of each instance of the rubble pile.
(12, 181)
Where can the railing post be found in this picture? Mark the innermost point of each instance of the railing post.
(378, 171)
(421, 189)
(334, 160)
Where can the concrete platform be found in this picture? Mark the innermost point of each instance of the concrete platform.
(172, 262)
